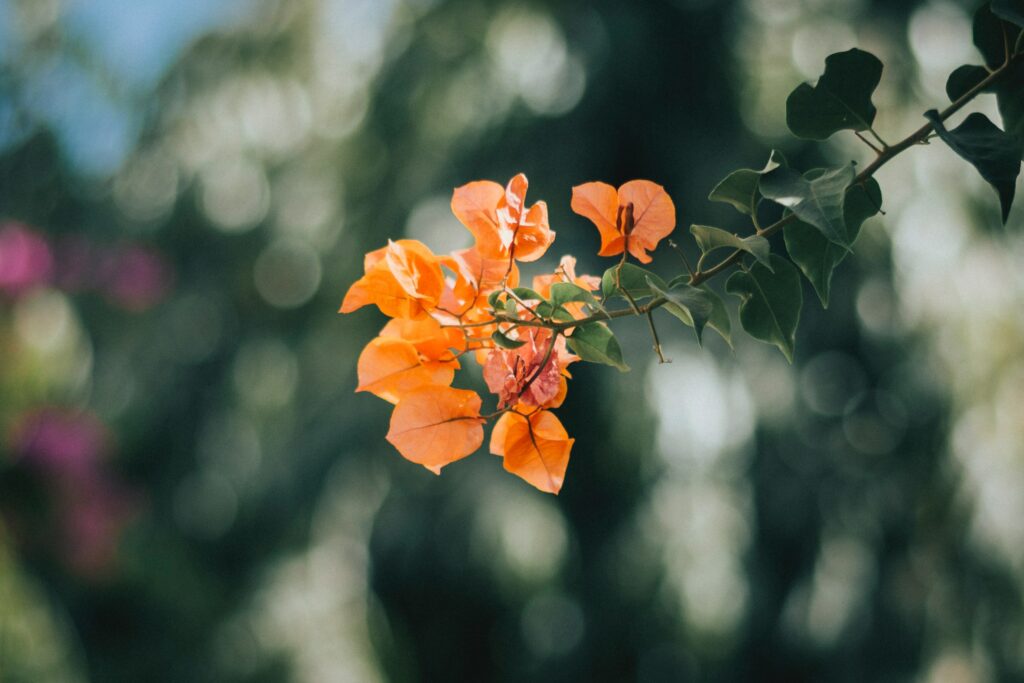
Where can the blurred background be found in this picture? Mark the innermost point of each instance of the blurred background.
(190, 490)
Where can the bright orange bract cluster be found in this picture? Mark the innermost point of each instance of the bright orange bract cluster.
(444, 307)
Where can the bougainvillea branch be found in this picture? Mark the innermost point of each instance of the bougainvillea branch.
(470, 303)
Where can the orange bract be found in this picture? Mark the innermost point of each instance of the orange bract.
(434, 426)
(535, 448)
(390, 368)
(403, 279)
(432, 341)
(639, 215)
(503, 226)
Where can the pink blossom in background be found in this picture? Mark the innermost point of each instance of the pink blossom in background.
(25, 258)
(67, 447)
(60, 440)
(94, 512)
(135, 278)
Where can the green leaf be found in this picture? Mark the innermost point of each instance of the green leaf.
(990, 36)
(511, 308)
(963, 79)
(990, 150)
(739, 188)
(594, 342)
(841, 100)
(527, 294)
(817, 197)
(710, 238)
(1008, 89)
(1010, 10)
(690, 304)
(719, 320)
(815, 255)
(770, 303)
(504, 341)
(565, 292)
(633, 279)
(492, 298)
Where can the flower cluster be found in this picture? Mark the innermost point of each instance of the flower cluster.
(470, 303)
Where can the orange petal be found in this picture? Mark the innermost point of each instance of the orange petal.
(535, 448)
(475, 205)
(654, 216)
(600, 203)
(416, 269)
(431, 340)
(534, 235)
(434, 426)
(390, 368)
(380, 287)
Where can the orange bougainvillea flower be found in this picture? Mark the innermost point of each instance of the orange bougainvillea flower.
(404, 280)
(535, 448)
(474, 278)
(637, 216)
(432, 341)
(529, 375)
(391, 368)
(503, 226)
(435, 425)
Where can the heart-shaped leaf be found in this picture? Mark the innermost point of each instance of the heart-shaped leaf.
(1008, 89)
(841, 100)
(719, 320)
(631, 278)
(566, 292)
(692, 305)
(595, 342)
(710, 238)
(816, 197)
(739, 188)
(770, 303)
(816, 257)
(990, 150)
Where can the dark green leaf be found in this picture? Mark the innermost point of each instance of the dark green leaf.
(739, 188)
(710, 238)
(565, 292)
(770, 303)
(1008, 89)
(841, 100)
(991, 35)
(963, 79)
(632, 278)
(719, 320)
(492, 298)
(1010, 10)
(990, 150)
(815, 255)
(594, 342)
(504, 341)
(692, 305)
(816, 197)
